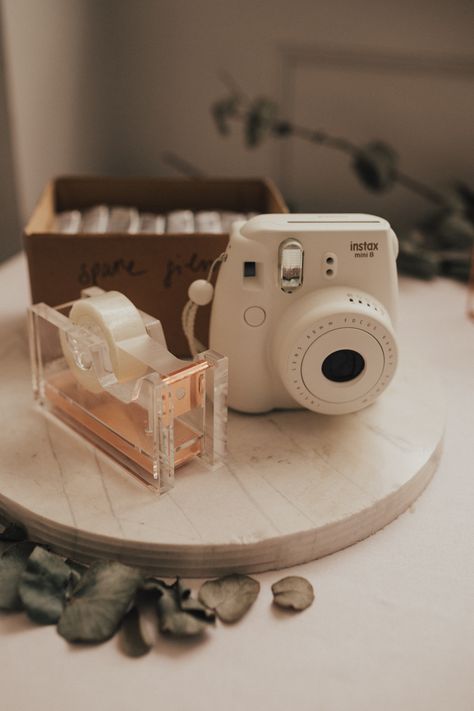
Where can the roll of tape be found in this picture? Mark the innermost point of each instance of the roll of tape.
(113, 317)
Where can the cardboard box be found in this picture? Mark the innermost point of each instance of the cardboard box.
(154, 271)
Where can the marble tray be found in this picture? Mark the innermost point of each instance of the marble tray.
(296, 485)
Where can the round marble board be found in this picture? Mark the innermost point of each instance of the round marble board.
(295, 486)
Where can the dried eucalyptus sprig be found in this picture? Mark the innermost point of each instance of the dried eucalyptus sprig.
(441, 244)
(90, 604)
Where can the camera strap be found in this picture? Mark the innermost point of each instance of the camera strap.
(200, 293)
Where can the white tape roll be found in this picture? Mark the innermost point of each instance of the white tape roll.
(114, 318)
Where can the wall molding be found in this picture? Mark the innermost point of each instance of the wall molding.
(358, 60)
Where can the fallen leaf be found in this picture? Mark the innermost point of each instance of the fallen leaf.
(134, 638)
(197, 609)
(13, 532)
(230, 596)
(12, 564)
(98, 603)
(77, 571)
(175, 621)
(179, 614)
(293, 592)
(43, 586)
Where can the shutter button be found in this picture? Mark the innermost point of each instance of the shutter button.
(254, 316)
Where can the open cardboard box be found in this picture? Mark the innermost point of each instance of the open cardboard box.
(154, 271)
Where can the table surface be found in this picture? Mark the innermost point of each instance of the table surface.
(392, 625)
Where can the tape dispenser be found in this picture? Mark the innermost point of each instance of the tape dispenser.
(102, 366)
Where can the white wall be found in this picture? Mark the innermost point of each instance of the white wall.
(108, 86)
(53, 61)
(9, 222)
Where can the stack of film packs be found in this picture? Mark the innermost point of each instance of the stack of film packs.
(102, 218)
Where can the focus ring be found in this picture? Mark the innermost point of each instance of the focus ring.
(322, 324)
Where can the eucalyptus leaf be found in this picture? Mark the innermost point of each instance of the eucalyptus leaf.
(14, 532)
(282, 129)
(77, 571)
(293, 592)
(259, 121)
(197, 609)
(151, 584)
(146, 604)
(417, 261)
(222, 111)
(183, 597)
(230, 596)
(175, 621)
(454, 231)
(182, 592)
(134, 638)
(99, 601)
(376, 165)
(451, 199)
(12, 564)
(467, 192)
(193, 606)
(457, 266)
(43, 586)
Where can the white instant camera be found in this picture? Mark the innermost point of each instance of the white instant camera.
(304, 307)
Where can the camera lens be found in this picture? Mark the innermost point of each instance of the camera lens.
(342, 366)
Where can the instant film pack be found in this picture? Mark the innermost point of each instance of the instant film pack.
(303, 310)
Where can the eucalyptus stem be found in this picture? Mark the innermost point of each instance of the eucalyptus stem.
(284, 129)
(322, 138)
(416, 186)
(439, 244)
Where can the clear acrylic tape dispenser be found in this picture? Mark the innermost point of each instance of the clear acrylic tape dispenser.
(103, 367)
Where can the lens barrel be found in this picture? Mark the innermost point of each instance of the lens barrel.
(335, 350)
(343, 365)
